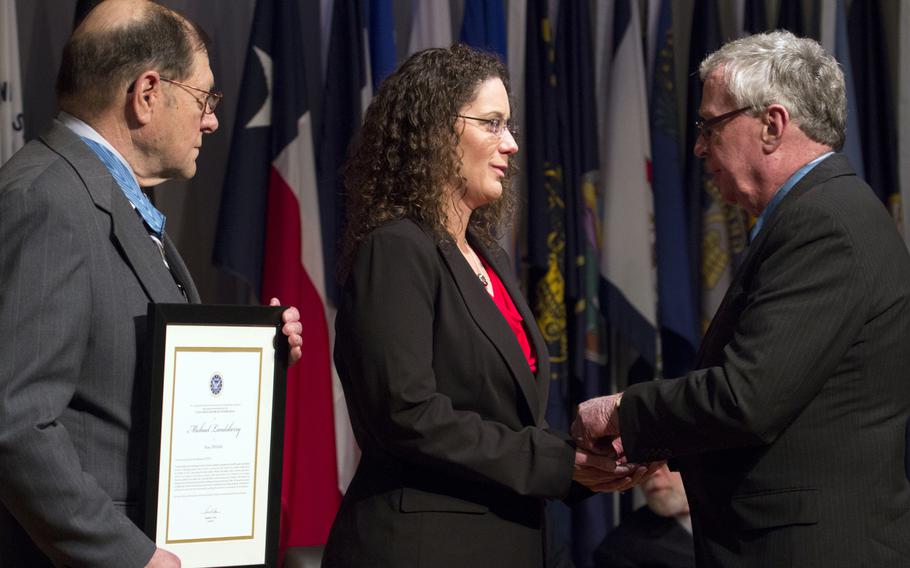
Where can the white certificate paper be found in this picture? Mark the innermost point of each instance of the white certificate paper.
(215, 428)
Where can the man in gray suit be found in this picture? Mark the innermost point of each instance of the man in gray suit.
(790, 435)
(82, 253)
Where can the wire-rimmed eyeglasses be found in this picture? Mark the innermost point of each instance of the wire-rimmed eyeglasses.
(704, 127)
(495, 126)
(209, 104)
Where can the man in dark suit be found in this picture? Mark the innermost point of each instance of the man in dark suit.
(82, 253)
(790, 435)
(658, 535)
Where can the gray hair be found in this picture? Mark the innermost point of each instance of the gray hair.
(795, 72)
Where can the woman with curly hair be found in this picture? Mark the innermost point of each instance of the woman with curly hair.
(444, 370)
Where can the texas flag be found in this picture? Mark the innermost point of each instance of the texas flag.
(269, 235)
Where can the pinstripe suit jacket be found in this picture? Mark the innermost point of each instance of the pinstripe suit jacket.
(77, 271)
(791, 435)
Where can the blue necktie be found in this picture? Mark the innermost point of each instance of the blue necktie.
(124, 177)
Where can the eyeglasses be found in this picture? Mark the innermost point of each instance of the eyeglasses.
(495, 126)
(704, 127)
(209, 104)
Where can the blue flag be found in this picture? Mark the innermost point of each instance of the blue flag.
(546, 194)
(547, 236)
(341, 116)
(592, 517)
(484, 26)
(383, 56)
(677, 302)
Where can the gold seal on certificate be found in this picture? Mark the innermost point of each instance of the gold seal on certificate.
(217, 415)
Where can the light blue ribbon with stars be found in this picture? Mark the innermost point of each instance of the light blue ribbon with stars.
(124, 178)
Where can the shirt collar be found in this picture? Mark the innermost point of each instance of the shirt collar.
(81, 128)
(782, 192)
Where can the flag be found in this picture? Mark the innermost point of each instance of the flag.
(484, 26)
(618, 353)
(575, 80)
(342, 109)
(12, 123)
(603, 55)
(484, 29)
(627, 270)
(717, 231)
(268, 234)
(546, 233)
(853, 144)
(383, 56)
(676, 302)
(431, 26)
(515, 51)
(343, 100)
(872, 81)
(627, 264)
(516, 34)
(546, 196)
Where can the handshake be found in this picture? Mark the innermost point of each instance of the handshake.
(600, 462)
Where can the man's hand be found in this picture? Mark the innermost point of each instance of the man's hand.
(604, 473)
(292, 329)
(597, 419)
(163, 559)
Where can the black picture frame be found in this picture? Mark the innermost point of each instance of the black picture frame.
(160, 317)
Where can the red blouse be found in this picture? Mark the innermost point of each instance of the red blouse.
(504, 302)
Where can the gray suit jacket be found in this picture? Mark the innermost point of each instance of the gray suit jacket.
(791, 435)
(77, 271)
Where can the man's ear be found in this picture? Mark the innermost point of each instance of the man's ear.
(775, 121)
(144, 97)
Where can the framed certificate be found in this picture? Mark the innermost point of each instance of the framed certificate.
(216, 433)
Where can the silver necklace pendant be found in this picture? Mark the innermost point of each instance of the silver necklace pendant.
(483, 279)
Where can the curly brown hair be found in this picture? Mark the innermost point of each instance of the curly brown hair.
(405, 155)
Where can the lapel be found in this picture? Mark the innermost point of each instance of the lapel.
(128, 234)
(492, 323)
(501, 264)
(834, 166)
(180, 271)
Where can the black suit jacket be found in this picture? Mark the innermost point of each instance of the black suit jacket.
(791, 435)
(456, 456)
(77, 271)
(646, 540)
